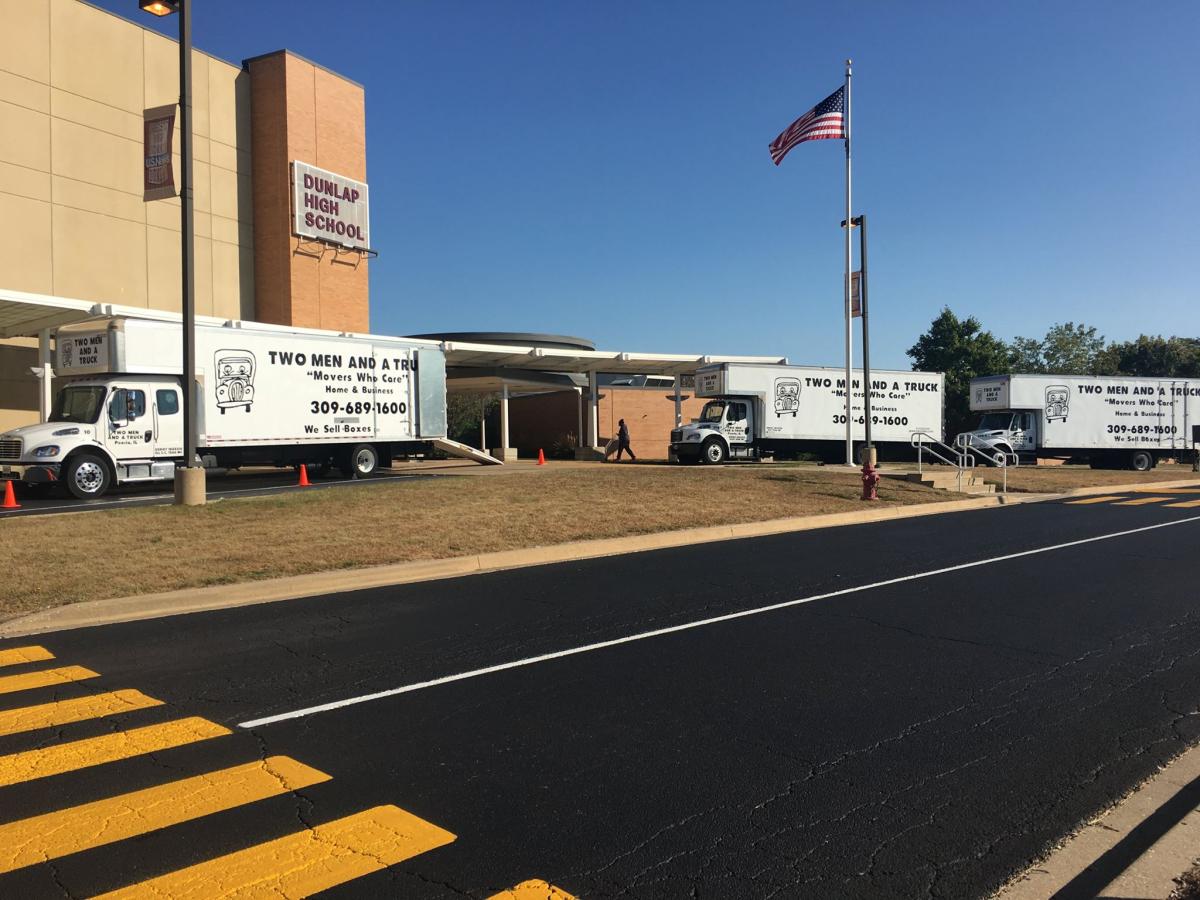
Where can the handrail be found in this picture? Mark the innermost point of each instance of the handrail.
(961, 457)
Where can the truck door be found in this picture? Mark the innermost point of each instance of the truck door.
(737, 422)
(1024, 432)
(129, 423)
(168, 423)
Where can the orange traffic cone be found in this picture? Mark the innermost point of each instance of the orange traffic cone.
(541, 457)
(303, 475)
(10, 499)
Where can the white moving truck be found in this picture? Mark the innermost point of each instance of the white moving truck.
(263, 395)
(1114, 421)
(761, 410)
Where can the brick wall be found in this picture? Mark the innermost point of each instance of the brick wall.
(544, 420)
(304, 112)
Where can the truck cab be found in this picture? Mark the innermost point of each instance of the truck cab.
(725, 430)
(100, 431)
(1003, 433)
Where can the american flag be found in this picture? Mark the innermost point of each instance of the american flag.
(825, 120)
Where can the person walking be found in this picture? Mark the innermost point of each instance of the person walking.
(623, 441)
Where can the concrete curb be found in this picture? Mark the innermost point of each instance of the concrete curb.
(152, 606)
(1133, 851)
(1140, 487)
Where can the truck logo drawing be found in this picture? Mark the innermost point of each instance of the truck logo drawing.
(235, 379)
(1058, 402)
(787, 396)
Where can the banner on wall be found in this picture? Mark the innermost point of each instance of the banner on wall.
(159, 132)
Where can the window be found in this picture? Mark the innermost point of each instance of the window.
(80, 403)
(168, 402)
(737, 412)
(127, 405)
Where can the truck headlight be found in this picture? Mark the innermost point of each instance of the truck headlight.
(46, 451)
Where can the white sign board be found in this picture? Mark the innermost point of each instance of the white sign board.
(330, 207)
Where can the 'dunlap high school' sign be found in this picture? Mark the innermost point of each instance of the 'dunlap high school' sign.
(329, 207)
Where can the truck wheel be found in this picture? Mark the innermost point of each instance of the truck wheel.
(362, 461)
(713, 452)
(1141, 460)
(88, 476)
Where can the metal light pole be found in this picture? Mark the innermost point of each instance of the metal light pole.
(189, 478)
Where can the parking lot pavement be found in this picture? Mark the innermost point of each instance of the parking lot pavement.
(903, 709)
(251, 483)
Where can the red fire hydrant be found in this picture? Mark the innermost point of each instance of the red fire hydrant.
(870, 476)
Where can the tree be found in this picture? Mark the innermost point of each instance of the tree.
(463, 414)
(1067, 349)
(1153, 356)
(963, 350)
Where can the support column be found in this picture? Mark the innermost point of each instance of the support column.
(504, 452)
(580, 437)
(593, 450)
(483, 423)
(678, 400)
(46, 397)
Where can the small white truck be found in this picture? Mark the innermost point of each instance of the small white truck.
(763, 410)
(264, 395)
(1115, 422)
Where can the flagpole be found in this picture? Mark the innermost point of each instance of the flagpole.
(849, 339)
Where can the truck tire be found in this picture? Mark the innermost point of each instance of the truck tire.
(1141, 460)
(361, 462)
(713, 452)
(88, 476)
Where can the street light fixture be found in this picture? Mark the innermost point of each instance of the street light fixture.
(189, 478)
(159, 7)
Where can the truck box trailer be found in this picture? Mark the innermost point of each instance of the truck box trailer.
(761, 410)
(1113, 421)
(263, 395)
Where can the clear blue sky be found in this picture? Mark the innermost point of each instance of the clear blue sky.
(601, 169)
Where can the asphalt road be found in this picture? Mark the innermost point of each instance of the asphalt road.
(960, 691)
(248, 483)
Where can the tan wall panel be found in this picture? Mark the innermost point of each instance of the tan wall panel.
(228, 105)
(97, 55)
(160, 72)
(25, 92)
(24, 239)
(204, 277)
(100, 116)
(81, 195)
(96, 157)
(98, 257)
(24, 182)
(164, 274)
(24, 137)
(229, 279)
(25, 38)
(224, 192)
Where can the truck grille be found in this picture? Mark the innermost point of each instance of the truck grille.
(10, 448)
(676, 436)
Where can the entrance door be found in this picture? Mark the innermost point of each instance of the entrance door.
(168, 423)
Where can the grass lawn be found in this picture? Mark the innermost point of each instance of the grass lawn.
(55, 560)
(1056, 479)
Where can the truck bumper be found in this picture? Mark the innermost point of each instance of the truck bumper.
(31, 473)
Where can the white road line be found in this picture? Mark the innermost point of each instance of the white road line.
(699, 623)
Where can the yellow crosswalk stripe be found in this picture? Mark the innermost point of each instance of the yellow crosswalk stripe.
(41, 763)
(78, 828)
(299, 864)
(1103, 499)
(79, 709)
(1187, 504)
(1142, 501)
(18, 655)
(533, 890)
(44, 678)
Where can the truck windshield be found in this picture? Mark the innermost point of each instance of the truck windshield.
(80, 403)
(713, 411)
(995, 422)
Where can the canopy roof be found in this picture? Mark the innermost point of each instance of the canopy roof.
(24, 315)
